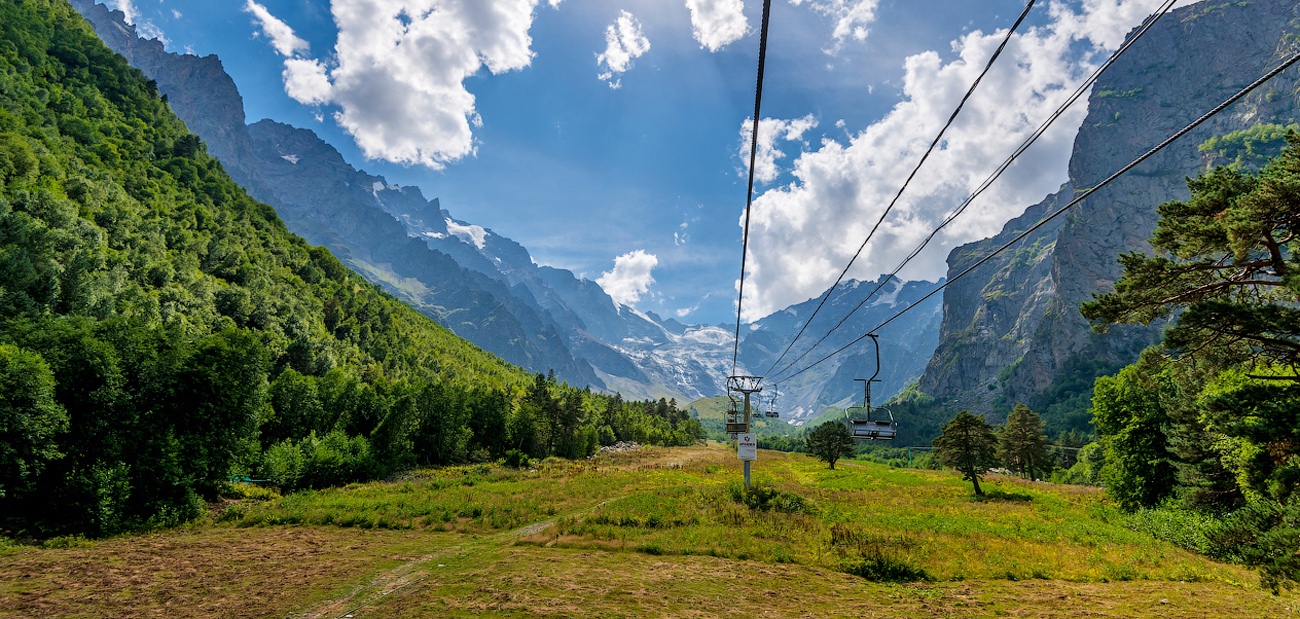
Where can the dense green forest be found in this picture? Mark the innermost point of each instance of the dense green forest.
(1208, 421)
(161, 332)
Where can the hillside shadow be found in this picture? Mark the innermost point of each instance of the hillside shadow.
(1000, 496)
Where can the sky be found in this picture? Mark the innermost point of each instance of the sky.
(611, 137)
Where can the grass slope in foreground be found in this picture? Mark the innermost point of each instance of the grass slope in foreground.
(651, 533)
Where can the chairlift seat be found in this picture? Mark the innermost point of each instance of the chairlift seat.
(772, 414)
(872, 430)
(737, 428)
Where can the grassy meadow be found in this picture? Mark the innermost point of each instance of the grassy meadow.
(656, 532)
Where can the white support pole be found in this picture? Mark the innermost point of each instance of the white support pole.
(747, 427)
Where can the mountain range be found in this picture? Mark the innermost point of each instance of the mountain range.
(482, 285)
(1008, 332)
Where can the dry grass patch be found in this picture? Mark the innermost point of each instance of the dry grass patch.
(206, 573)
(559, 582)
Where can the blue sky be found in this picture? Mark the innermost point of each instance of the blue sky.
(523, 117)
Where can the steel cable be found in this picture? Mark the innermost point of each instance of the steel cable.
(749, 197)
(988, 182)
(902, 188)
(1222, 106)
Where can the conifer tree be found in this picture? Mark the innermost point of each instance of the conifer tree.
(970, 445)
(1022, 443)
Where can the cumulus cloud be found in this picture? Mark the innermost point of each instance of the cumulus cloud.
(150, 30)
(630, 278)
(146, 28)
(127, 7)
(769, 131)
(396, 77)
(285, 42)
(717, 23)
(307, 81)
(624, 42)
(851, 17)
(802, 234)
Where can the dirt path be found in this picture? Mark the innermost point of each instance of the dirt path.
(420, 569)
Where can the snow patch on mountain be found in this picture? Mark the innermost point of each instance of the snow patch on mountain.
(470, 233)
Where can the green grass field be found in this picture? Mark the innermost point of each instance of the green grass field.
(658, 532)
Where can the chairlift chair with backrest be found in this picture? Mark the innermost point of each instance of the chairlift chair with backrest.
(736, 417)
(868, 429)
(771, 406)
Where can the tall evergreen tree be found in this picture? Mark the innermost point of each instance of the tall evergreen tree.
(1022, 443)
(970, 445)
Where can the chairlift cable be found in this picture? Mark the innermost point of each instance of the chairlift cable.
(938, 138)
(749, 197)
(1233, 99)
(997, 173)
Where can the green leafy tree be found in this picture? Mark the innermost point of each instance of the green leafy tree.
(1022, 445)
(295, 408)
(30, 420)
(970, 445)
(1130, 417)
(829, 442)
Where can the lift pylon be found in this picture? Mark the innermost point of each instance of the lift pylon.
(747, 385)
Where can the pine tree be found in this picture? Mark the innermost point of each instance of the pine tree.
(1223, 258)
(1022, 443)
(970, 445)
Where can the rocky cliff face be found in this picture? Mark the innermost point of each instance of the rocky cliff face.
(198, 89)
(1012, 326)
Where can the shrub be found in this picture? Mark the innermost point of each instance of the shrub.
(516, 459)
(767, 498)
(875, 557)
(285, 464)
(336, 459)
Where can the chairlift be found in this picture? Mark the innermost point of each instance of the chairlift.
(771, 406)
(736, 417)
(859, 418)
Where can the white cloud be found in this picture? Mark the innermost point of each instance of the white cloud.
(630, 277)
(769, 131)
(717, 23)
(285, 42)
(127, 7)
(131, 15)
(624, 42)
(176, 14)
(398, 69)
(851, 17)
(802, 234)
(306, 81)
(149, 30)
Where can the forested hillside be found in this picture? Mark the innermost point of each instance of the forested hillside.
(1207, 420)
(161, 331)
